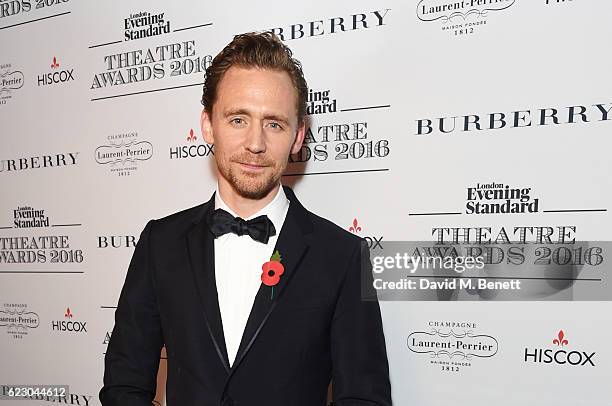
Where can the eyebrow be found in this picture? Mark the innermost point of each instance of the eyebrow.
(245, 112)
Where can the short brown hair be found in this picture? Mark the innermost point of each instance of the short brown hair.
(256, 50)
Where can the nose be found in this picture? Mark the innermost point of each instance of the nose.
(255, 141)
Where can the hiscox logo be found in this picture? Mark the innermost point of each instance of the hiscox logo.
(560, 354)
(459, 17)
(192, 148)
(493, 198)
(56, 75)
(373, 241)
(68, 324)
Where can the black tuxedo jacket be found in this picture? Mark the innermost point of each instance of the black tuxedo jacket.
(315, 328)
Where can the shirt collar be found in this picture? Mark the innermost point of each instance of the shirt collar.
(275, 210)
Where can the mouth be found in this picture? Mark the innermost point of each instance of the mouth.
(252, 166)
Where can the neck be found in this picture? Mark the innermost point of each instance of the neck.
(243, 206)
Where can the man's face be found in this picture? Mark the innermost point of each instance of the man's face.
(254, 128)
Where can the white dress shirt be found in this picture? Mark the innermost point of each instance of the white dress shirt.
(238, 261)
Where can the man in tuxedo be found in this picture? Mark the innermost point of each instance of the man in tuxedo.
(258, 301)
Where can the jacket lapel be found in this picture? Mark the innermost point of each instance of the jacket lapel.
(292, 244)
(200, 242)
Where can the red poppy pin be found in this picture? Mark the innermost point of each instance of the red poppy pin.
(271, 271)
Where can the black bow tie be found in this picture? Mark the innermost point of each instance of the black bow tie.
(260, 228)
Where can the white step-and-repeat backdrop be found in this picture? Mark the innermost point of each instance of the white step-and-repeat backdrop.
(422, 115)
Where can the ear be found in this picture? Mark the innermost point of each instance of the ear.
(206, 126)
(299, 138)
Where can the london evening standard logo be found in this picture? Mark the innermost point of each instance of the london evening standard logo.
(494, 198)
(10, 80)
(28, 217)
(452, 346)
(178, 59)
(18, 319)
(123, 153)
(460, 17)
(561, 353)
(192, 148)
(145, 24)
(57, 75)
(69, 324)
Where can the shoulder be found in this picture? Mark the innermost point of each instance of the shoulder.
(323, 231)
(336, 252)
(178, 223)
(326, 227)
(329, 234)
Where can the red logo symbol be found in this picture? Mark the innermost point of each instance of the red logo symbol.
(560, 340)
(355, 228)
(55, 64)
(68, 314)
(192, 137)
